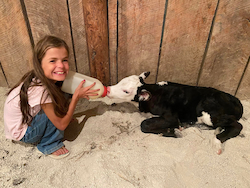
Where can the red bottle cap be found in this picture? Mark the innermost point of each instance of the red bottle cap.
(105, 91)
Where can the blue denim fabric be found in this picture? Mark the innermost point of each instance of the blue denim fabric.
(43, 133)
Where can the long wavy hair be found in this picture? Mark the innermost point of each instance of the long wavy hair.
(36, 77)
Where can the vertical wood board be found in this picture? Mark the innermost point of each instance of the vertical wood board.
(3, 81)
(229, 47)
(244, 88)
(15, 46)
(112, 21)
(96, 24)
(139, 36)
(186, 32)
(79, 36)
(50, 18)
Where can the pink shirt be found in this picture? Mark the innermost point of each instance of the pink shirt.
(14, 129)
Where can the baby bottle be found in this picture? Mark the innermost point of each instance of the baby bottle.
(73, 80)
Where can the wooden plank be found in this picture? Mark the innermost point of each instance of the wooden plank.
(50, 18)
(112, 20)
(3, 81)
(243, 92)
(96, 24)
(15, 46)
(186, 32)
(229, 47)
(139, 36)
(79, 36)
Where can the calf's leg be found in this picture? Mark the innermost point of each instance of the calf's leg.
(159, 125)
(227, 127)
(230, 131)
(230, 127)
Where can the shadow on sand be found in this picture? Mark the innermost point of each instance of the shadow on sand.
(75, 128)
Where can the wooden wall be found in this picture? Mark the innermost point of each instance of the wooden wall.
(197, 42)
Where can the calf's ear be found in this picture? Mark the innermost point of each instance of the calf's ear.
(141, 80)
(144, 95)
(144, 75)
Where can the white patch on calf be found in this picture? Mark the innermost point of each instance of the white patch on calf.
(143, 75)
(178, 133)
(126, 89)
(205, 118)
(162, 83)
(218, 145)
(144, 95)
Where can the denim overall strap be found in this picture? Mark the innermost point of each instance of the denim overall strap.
(43, 133)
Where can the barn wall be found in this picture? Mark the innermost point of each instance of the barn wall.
(186, 32)
(15, 45)
(197, 42)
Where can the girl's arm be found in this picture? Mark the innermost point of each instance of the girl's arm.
(62, 123)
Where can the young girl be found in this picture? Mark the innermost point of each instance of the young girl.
(36, 110)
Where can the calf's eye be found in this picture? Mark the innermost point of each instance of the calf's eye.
(125, 91)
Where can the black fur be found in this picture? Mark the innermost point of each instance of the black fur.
(177, 103)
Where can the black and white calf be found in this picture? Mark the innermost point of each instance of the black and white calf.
(175, 103)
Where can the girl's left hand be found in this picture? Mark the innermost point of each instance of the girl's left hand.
(85, 92)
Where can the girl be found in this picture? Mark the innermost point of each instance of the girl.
(36, 110)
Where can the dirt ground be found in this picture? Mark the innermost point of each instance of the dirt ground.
(107, 149)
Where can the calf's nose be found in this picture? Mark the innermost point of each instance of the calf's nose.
(108, 90)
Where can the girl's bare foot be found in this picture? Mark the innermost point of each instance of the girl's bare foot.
(61, 151)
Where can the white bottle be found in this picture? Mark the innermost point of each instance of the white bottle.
(73, 80)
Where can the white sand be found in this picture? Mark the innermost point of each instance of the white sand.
(108, 150)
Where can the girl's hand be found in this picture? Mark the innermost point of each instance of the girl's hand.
(62, 122)
(85, 92)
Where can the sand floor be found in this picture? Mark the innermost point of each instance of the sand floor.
(108, 150)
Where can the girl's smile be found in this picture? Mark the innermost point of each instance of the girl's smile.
(55, 64)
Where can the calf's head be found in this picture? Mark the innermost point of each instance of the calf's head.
(126, 89)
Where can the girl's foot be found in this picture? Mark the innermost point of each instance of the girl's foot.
(61, 151)
(59, 154)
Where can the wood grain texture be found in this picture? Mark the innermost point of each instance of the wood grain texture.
(139, 36)
(50, 18)
(244, 88)
(229, 48)
(135, 29)
(79, 36)
(3, 81)
(96, 24)
(15, 46)
(112, 20)
(186, 32)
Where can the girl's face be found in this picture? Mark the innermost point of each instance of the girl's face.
(55, 64)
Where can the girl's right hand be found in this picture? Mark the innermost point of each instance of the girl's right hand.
(85, 92)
